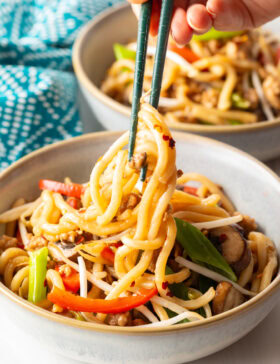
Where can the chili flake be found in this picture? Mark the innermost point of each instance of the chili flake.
(222, 238)
(172, 143)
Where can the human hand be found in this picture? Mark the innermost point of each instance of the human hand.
(198, 16)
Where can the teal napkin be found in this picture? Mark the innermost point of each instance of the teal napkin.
(37, 86)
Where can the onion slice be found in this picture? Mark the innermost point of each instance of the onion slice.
(147, 313)
(174, 320)
(218, 223)
(83, 277)
(213, 275)
(265, 104)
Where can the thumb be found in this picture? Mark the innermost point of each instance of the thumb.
(229, 14)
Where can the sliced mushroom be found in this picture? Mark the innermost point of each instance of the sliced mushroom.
(68, 252)
(226, 298)
(233, 246)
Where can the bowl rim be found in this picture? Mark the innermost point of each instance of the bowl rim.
(240, 310)
(95, 91)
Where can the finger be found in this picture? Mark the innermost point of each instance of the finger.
(198, 17)
(180, 29)
(229, 15)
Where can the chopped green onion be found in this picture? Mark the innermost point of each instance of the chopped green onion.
(201, 250)
(77, 316)
(239, 102)
(235, 122)
(192, 295)
(37, 275)
(122, 52)
(216, 34)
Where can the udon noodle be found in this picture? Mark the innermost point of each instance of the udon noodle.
(123, 252)
(226, 81)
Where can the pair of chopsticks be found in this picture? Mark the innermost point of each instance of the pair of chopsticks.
(141, 52)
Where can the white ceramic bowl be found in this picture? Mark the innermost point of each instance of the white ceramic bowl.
(93, 55)
(253, 188)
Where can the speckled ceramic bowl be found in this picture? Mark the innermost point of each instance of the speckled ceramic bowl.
(93, 55)
(253, 188)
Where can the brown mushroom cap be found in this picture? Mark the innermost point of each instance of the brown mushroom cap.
(233, 247)
(226, 298)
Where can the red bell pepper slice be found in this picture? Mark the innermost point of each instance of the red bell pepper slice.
(71, 282)
(184, 52)
(122, 304)
(108, 254)
(191, 190)
(74, 202)
(71, 189)
(155, 16)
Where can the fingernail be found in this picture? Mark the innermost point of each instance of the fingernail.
(211, 13)
(193, 27)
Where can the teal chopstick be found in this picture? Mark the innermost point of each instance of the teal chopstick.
(142, 41)
(163, 34)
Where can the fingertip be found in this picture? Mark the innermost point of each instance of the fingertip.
(180, 30)
(199, 18)
(214, 7)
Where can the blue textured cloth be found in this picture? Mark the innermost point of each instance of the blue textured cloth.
(37, 85)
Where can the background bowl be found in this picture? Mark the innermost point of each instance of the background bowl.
(251, 186)
(93, 55)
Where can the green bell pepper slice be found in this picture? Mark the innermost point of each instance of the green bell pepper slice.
(122, 52)
(216, 34)
(37, 275)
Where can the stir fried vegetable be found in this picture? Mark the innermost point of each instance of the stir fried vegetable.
(184, 52)
(108, 254)
(72, 281)
(179, 290)
(204, 283)
(201, 250)
(239, 102)
(122, 304)
(216, 34)
(37, 275)
(71, 189)
(122, 52)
